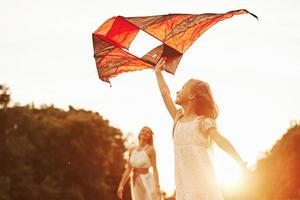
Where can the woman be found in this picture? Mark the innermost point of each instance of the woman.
(194, 129)
(143, 185)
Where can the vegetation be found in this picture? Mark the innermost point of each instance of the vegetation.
(277, 175)
(51, 154)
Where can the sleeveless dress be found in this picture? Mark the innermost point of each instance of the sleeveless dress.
(142, 185)
(194, 174)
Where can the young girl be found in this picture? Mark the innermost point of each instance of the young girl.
(193, 131)
(144, 185)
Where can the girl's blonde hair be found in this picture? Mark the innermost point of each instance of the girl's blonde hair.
(204, 102)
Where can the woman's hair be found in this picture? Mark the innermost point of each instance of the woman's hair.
(150, 141)
(205, 104)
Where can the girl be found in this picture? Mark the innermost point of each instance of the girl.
(144, 185)
(193, 131)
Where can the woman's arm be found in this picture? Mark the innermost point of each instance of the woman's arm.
(124, 180)
(152, 155)
(164, 89)
(224, 144)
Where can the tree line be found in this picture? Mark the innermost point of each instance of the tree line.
(53, 154)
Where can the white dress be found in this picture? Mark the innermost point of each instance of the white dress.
(142, 185)
(194, 174)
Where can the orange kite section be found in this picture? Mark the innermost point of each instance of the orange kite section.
(177, 32)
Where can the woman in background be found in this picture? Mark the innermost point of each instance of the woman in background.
(143, 184)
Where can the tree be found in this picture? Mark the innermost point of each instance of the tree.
(54, 154)
(4, 96)
(277, 175)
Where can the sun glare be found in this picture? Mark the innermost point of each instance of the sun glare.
(227, 171)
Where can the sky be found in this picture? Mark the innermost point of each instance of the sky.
(253, 68)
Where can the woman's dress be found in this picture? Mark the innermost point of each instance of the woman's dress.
(142, 184)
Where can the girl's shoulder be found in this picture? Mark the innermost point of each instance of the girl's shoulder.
(206, 123)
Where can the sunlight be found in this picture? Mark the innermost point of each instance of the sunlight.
(227, 171)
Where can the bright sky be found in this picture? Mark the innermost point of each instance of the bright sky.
(253, 67)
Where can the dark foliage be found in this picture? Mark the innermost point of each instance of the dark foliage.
(51, 154)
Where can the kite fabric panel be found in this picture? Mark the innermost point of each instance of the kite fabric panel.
(177, 32)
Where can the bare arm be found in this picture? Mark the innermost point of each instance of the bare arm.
(224, 144)
(164, 89)
(155, 171)
(124, 180)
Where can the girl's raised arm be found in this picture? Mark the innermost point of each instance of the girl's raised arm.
(164, 89)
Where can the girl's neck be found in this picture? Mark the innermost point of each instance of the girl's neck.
(189, 112)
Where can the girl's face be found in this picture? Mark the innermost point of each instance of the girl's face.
(183, 95)
(145, 134)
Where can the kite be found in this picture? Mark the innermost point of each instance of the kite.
(176, 32)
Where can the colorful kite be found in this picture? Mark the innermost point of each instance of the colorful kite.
(177, 32)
